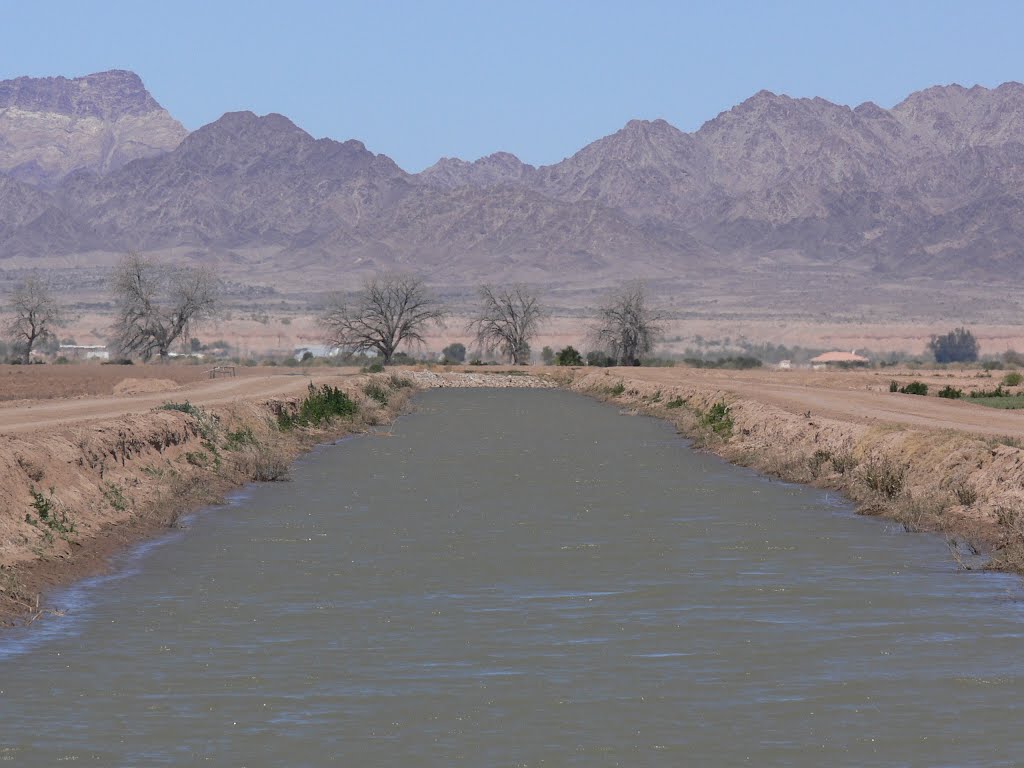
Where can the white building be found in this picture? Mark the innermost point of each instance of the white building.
(84, 352)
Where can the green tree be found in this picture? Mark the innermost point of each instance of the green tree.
(454, 353)
(547, 356)
(957, 346)
(569, 356)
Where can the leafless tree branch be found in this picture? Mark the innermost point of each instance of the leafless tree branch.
(35, 314)
(626, 326)
(389, 311)
(157, 304)
(507, 319)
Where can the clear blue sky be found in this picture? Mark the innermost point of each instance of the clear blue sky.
(422, 80)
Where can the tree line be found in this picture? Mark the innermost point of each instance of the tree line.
(393, 309)
(159, 304)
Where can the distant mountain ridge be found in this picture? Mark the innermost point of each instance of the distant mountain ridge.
(932, 187)
(51, 127)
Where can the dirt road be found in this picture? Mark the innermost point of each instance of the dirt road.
(854, 396)
(28, 416)
(845, 396)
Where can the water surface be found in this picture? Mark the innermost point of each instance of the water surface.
(525, 578)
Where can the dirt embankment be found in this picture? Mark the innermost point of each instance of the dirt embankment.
(968, 487)
(80, 480)
(75, 494)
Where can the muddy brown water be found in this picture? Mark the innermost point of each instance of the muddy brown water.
(524, 578)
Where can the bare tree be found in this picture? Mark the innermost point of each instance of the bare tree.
(390, 310)
(626, 326)
(507, 319)
(157, 304)
(36, 314)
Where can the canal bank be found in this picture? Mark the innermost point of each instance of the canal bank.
(74, 496)
(966, 487)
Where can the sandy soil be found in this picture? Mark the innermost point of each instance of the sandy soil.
(853, 396)
(27, 416)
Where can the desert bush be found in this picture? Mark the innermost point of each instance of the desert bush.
(568, 356)
(844, 463)
(50, 514)
(915, 388)
(263, 464)
(894, 386)
(114, 495)
(676, 402)
(399, 382)
(965, 493)
(718, 420)
(951, 393)
(819, 459)
(376, 391)
(616, 389)
(237, 440)
(1013, 379)
(884, 476)
(997, 392)
(922, 512)
(319, 406)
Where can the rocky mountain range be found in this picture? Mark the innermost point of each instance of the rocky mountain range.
(930, 188)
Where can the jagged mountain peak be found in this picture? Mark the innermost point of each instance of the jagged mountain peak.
(55, 126)
(106, 95)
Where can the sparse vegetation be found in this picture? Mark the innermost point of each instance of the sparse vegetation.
(951, 393)
(320, 406)
(914, 388)
(376, 391)
(114, 495)
(884, 476)
(718, 420)
(50, 515)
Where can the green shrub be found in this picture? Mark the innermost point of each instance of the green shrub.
(235, 441)
(115, 496)
(616, 389)
(49, 513)
(374, 368)
(1013, 379)
(951, 393)
(915, 388)
(997, 392)
(197, 459)
(185, 407)
(884, 477)
(319, 406)
(718, 420)
(568, 356)
(675, 403)
(400, 382)
(375, 391)
(894, 386)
